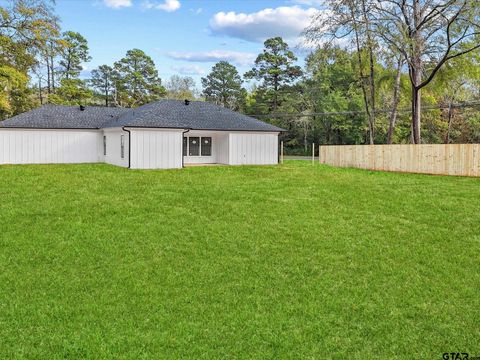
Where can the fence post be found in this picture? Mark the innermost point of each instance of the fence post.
(319, 154)
(281, 152)
(313, 153)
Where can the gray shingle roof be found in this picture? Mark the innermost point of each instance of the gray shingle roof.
(64, 117)
(198, 115)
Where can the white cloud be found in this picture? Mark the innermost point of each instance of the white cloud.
(236, 57)
(117, 4)
(196, 11)
(189, 69)
(285, 21)
(309, 2)
(166, 5)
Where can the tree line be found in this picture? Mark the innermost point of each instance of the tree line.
(373, 70)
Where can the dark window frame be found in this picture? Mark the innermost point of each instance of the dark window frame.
(122, 146)
(104, 145)
(209, 147)
(196, 147)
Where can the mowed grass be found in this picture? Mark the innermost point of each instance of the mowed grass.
(291, 261)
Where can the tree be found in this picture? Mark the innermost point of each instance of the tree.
(395, 64)
(331, 85)
(275, 68)
(73, 52)
(428, 34)
(452, 86)
(25, 29)
(137, 81)
(181, 87)
(103, 80)
(11, 80)
(223, 86)
(351, 19)
(71, 92)
(48, 53)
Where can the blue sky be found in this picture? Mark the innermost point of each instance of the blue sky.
(184, 37)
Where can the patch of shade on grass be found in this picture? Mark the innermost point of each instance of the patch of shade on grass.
(288, 261)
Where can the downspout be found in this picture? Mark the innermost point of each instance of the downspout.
(129, 144)
(183, 135)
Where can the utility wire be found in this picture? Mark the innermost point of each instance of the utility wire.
(377, 111)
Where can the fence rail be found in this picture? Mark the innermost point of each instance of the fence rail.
(451, 159)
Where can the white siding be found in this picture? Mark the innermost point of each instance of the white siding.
(113, 156)
(156, 149)
(37, 146)
(223, 149)
(219, 139)
(253, 148)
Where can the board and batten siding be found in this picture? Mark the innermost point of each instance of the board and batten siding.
(38, 146)
(114, 148)
(253, 148)
(219, 147)
(156, 148)
(223, 149)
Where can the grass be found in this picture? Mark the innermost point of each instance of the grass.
(290, 261)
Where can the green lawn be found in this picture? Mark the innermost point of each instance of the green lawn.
(291, 261)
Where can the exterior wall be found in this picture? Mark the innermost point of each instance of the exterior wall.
(223, 149)
(246, 148)
(219, 139)
(113, 137)
(38, 146)
(150, 148)
(156, 148)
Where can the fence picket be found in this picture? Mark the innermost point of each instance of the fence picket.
(451, 159)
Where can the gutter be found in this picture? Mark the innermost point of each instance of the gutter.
(183, 135)
(129, 145)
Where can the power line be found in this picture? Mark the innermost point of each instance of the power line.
(377, 111)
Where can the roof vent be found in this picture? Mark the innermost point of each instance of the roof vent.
(82, 107)
(187, 102)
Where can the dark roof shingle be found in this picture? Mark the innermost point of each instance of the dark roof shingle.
(64, 117)
(198, 115)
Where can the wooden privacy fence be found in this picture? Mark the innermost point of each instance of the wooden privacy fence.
(451, 159)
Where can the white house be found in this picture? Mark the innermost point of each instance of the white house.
(159, 135)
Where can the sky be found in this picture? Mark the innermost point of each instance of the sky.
(185, 37)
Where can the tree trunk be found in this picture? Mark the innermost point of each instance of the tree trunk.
(305, 132)
(40, 95)
(450, 118)
(416, 79)
(371, 75)
(416, 112)
(416, 73)
(362, 76)
(275, 94)
(68, 66)
(396, 100)
(49, 88)
(52, 74)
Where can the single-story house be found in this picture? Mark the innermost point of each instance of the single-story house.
(161, 134)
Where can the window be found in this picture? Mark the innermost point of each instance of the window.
(104, 145)
(206, 146)
(122, 146)
(194, 146)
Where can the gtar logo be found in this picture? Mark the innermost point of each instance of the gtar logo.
(455, 356)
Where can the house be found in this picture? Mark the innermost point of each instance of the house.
(158, 135)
